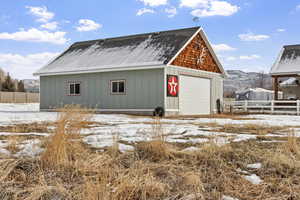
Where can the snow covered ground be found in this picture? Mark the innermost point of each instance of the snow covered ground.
(133, 129)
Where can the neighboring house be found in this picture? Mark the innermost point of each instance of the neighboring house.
(175, 70)
(255, 94)
(286, 66)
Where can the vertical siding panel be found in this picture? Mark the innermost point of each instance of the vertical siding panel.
(144, 90)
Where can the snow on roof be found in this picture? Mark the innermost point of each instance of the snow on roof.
(129, 51)
(254, 90)
(288, 61)
(290, 82)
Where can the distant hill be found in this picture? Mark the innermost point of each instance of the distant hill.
(32, 85)
(238, 79)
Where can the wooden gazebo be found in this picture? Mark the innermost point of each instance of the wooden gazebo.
(287, 65)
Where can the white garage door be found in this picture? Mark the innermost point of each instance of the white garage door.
(194, 95)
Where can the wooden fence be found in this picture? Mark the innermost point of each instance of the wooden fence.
(19, 97)
(271, 107)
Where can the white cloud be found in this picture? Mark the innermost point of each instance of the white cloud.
(87, 25)
(22, 66)
(207, 8)
(298, 7)
(216, 8)
(171, 12)
(154, 3)
(50, 26)
(143, 11)
(41, 13)
(251, 57)
(35, 35)
(195, 3)
(222, 47)
(253, 37)
(280, 30)
(231, 58)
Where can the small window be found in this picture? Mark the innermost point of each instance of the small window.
(118, 87)
(74, 88)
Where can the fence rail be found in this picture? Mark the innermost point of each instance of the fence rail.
(272, 107)
(19, 97)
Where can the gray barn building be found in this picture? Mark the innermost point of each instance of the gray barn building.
(176, 70)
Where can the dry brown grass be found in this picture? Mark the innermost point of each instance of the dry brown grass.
(256, 129)
(13, 142)
(65, 144)
(155, 170)
(27, 128)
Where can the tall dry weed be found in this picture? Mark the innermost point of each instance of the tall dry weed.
(65, 145)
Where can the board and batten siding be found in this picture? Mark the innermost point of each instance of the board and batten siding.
(172, 103)
(144, 90)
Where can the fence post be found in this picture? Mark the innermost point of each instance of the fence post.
(246, 106)
(298, 107)
(272, 106)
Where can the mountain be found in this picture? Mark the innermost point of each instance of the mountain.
(238, 80)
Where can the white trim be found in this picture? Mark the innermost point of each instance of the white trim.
(165, 89)
(274, 66)
(203, 35)
(208, 44)
(117, 81)
(196, 71)
(172, 110)
(184, 46)
(74, 83)
(101, 70)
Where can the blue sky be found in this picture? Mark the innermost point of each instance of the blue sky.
(246, 34)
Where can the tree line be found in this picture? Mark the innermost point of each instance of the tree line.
(9, 85)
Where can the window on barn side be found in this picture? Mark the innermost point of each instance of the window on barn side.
(74, 89)
(118, 87)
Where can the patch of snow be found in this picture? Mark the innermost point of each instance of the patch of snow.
(23, 134)
(4, 152)
(228, 198)
(254, 179)
(124, 147)
(254, 166)
(244, 137)
(190, 149)
(30, 148)
(19, 107)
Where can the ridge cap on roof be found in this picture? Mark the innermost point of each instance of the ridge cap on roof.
(292, 45)
(133, 35)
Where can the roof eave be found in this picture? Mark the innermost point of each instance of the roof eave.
(123, 68)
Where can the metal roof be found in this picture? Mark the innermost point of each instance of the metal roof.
(150, 49)
(288, 61)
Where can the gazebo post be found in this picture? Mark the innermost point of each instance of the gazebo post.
(275, 86)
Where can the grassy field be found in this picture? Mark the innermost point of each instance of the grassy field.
(266, 166)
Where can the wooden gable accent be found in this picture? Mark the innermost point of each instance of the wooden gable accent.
(196, 55)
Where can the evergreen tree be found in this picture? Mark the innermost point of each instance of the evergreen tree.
(21, 87)
(8, 85)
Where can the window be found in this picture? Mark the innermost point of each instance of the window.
(74, 88)
(118, 87)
